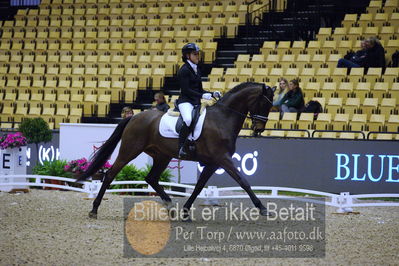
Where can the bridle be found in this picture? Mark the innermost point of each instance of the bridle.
(251, 116)
(261, 117)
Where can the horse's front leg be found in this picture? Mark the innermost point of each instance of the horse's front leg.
(203, 178)
(228, 165)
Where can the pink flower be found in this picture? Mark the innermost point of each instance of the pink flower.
(107, 165)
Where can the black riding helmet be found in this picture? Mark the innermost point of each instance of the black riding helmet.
(188, 48)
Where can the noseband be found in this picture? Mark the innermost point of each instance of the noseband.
(260, 117)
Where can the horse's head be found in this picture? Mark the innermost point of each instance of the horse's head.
(260, 107)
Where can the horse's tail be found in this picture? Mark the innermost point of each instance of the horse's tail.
(101, 156)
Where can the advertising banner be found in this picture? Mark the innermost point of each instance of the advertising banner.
(318, 164)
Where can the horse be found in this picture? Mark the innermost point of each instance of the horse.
(214, 147)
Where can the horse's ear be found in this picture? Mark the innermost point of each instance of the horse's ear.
(265, 88)
(274, 88)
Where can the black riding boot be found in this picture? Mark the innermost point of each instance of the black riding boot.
(184, 132)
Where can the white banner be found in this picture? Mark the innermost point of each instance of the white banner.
(81, 140)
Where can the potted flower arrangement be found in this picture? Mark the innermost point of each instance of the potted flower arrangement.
(77, 166)
(9, 141)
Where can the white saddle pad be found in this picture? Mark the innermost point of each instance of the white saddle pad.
(167, 126)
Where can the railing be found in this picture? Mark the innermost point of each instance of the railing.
(254, 17)
(344, 202)
(340, 131)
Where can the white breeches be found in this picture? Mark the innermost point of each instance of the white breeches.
(186, 110)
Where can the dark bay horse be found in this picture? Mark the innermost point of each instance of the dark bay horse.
(214, 148)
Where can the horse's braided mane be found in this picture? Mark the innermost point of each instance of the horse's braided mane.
(241, 86)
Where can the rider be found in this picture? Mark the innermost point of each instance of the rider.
(191, 92)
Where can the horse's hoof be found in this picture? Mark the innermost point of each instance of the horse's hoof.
(93, 215)
(168, 205)
(264, 212)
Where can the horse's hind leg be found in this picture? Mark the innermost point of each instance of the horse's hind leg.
(126, 154)
(159, 165)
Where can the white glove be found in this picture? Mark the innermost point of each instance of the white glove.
(207, 96)
(217, 94)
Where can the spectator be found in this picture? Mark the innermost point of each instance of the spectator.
(293, 100)
(354, 59)
(282, 90)
(375, 55)
(372, 54)
(126, 112)
(161, 103)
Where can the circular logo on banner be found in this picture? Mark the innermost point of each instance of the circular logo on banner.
(148, 227)
(248, 164)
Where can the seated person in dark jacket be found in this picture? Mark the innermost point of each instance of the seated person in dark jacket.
(372, 54)
(375, 53)
(293, 100)
(161, 103)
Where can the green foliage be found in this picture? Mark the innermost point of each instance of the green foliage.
(54, 168)
(129, 173)
(132, 173)
(165, 175)
(36, 130)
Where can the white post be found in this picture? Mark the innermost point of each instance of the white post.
(211, 194)
(349, 201)
(344, 198)
(92, 188)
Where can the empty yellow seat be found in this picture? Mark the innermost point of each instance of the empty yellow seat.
(305, 121)
(358, 122)
(347, 135)
(376, 123)
(340, 122)
(384, 136)
(273, 120)
(275, 133)
(288, 121)
(393, 123)
(328, 135)
(387, 106)
(351, 106)
(323, 121)
(380, 89)
(295, 134)
(369, 106)
(334, 105)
